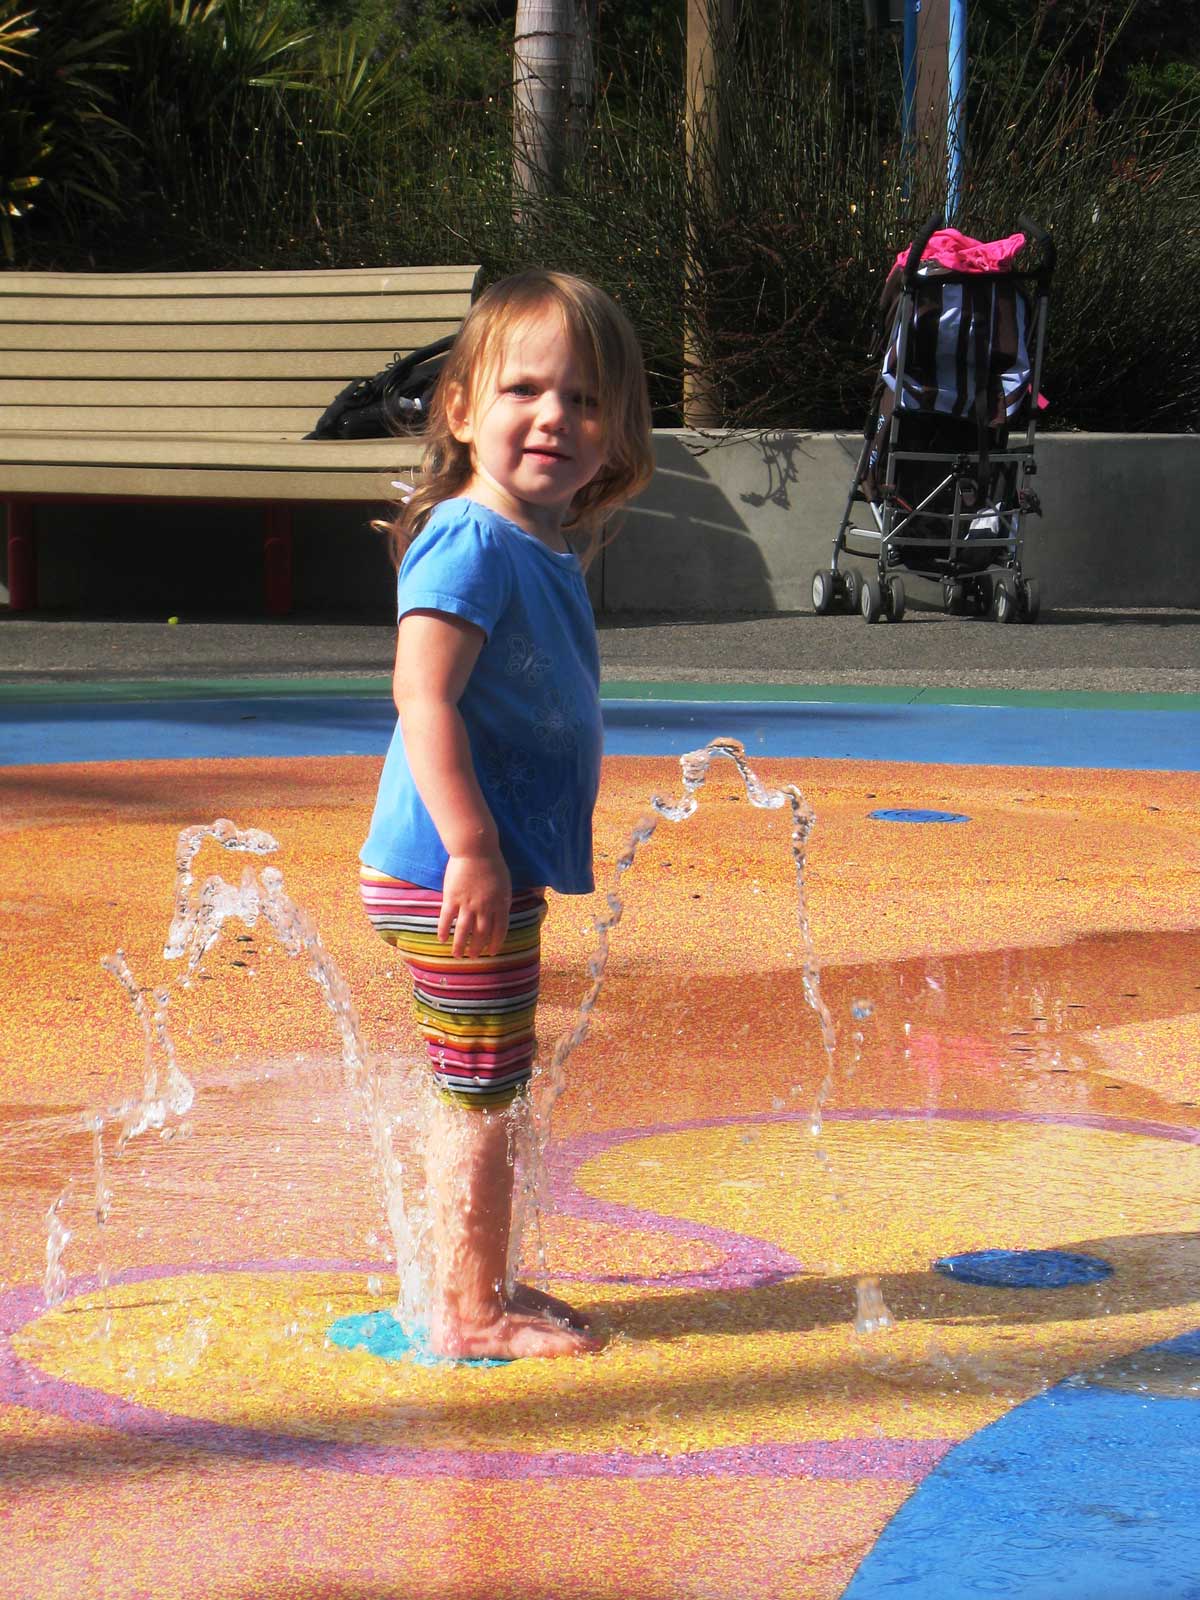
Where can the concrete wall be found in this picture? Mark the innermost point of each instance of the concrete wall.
(727, 526)
(741, 526)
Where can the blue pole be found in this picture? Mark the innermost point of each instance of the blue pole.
(956, 104)
(911, 10)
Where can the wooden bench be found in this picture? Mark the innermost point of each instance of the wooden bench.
(201, 386)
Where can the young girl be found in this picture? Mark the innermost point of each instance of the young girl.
(539, 429)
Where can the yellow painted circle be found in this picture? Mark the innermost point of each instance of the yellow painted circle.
(698, 1368)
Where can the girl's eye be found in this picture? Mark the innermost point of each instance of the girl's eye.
(523, 389)
(589, 402)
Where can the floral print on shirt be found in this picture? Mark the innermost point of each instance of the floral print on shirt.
(556, 723)
(507, 773)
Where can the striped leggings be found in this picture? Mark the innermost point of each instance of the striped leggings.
(476, 1013)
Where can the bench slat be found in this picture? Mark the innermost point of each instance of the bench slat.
(392, 280)
(130, 395)
(215, 448)
(229, 312)
(189, 483)
(335, 367)
(216, 467)
(385, 335)
(281, 421)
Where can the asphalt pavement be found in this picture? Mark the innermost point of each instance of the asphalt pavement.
(1104, 651)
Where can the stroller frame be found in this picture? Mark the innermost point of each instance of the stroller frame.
(978, 571)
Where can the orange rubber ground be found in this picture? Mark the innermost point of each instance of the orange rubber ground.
(1025, 1077)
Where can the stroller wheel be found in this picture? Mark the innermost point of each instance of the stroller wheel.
(822, 591)
(871, 603)
(1004, 599)
(1033, 600)
(952, 597)
(852, 588)
(895, 599)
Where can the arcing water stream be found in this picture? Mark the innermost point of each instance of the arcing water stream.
(200, 915)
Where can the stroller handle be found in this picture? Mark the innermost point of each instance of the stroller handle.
(1045, 243)
(917, 249)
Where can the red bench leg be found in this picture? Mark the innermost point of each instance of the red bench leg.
(277, 560)
(22, 557)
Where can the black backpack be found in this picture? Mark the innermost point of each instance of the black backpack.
(393, 401)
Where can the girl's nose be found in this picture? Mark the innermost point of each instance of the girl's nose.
(551, 411)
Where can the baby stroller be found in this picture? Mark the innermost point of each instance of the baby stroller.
(945, 495)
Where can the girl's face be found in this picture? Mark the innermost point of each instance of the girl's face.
(532, 422)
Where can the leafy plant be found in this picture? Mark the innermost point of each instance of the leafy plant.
(24, 156)
(15, 34)
(241, 133)
(814, 195)
(61, 149)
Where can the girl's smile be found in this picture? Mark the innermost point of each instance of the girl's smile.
(533, 428)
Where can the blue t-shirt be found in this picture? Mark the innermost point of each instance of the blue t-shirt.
(531, 706)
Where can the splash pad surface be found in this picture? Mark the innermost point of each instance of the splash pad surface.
(1024, 985)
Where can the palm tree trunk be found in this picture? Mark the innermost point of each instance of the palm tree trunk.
(553, 79)
(708, 26)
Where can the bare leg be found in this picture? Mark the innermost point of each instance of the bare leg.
(470, 1185)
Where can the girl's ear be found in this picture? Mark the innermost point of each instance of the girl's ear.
(458, 413)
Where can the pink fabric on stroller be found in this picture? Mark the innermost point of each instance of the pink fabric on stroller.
(960, 253)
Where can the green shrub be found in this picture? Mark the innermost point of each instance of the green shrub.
(63, 154)
(815, 198)
(241, 133)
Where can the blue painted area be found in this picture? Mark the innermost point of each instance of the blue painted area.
(381, 1335)
(190, 730)
(298, 725)
(1090, 1491)
(1032, 736)
(917, 816)
(1024, 1269)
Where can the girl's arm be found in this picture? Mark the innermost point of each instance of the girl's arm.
(435, 653)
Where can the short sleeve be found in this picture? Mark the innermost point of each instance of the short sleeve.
(456, 564)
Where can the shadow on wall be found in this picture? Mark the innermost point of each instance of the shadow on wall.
(729, 524)
(740, 523)
(685, 544)
(781, 471)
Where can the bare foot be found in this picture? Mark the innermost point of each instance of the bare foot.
(526, 1298)
(512, 1331)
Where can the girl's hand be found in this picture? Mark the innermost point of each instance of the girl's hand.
(476, 899)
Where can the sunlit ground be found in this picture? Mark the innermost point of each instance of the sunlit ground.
(1015, 999)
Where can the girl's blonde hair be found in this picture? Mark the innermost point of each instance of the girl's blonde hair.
(602, 333)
